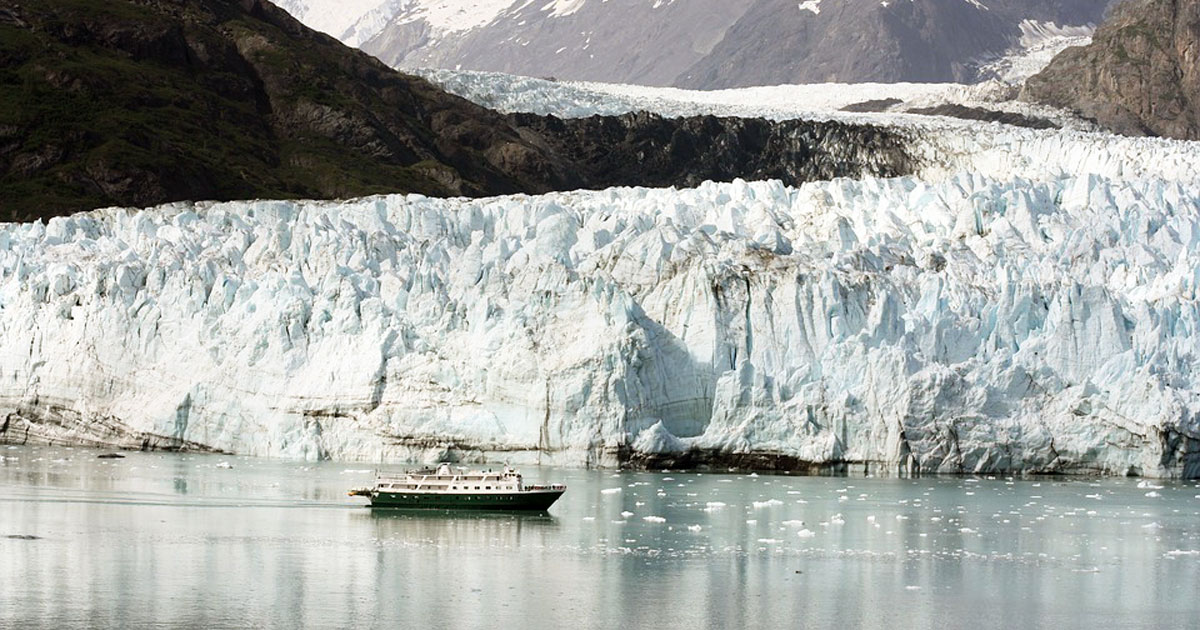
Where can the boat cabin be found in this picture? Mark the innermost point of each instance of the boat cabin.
(445, 479)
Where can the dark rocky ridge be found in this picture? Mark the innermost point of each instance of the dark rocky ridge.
(985, 115)
(140, 102)
(650, 150)
(1139, 76)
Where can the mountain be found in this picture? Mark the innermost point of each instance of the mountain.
(136, 103)
(851, 41)
(140, 102)
(624, 41)
(1140, 75)
(705, 43)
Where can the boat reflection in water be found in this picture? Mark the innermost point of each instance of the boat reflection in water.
(452, 529)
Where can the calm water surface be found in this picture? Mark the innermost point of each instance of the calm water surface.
(179, 540)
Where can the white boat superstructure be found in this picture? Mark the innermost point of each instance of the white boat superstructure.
(447, 480)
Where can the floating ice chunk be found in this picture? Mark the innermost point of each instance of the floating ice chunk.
(225, 465)
(837, 519)
(654, 519)
(694, 528)
(966, 530)
(793, 523)
(766, 504)
(1153, 494)
(611, 490)
(626, 513)
(806, 533)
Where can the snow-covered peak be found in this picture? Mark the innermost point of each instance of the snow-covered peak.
(332, 17)
(448, 16)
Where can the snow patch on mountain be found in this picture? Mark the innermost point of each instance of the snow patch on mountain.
(563, 8)
(812, 6)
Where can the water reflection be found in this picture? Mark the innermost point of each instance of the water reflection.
(170, 539)
(436, 527)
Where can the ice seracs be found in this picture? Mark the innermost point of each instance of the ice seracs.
(967, 324)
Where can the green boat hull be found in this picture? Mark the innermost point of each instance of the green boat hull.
(534, 500)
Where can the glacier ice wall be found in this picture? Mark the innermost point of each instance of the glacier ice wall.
(973, 324)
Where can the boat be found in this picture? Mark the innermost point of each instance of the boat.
(446, 488)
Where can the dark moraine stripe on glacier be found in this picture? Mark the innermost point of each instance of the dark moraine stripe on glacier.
(644, 149)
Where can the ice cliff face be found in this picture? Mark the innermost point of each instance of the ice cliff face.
(971, 324)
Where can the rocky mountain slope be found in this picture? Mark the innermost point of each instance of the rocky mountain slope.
(704, 43)
(1140, 75)
(851, 41)
(624, 41)
(136, 103)
(141, 102)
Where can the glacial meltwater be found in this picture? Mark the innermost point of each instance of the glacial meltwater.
(187, 540)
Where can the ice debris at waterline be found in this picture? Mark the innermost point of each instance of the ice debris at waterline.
(974, 324)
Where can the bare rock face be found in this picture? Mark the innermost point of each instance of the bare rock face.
(870, 41)
(1140, 75)
(710, 44)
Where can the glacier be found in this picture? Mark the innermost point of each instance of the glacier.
(1026, 302)
(965, 323)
